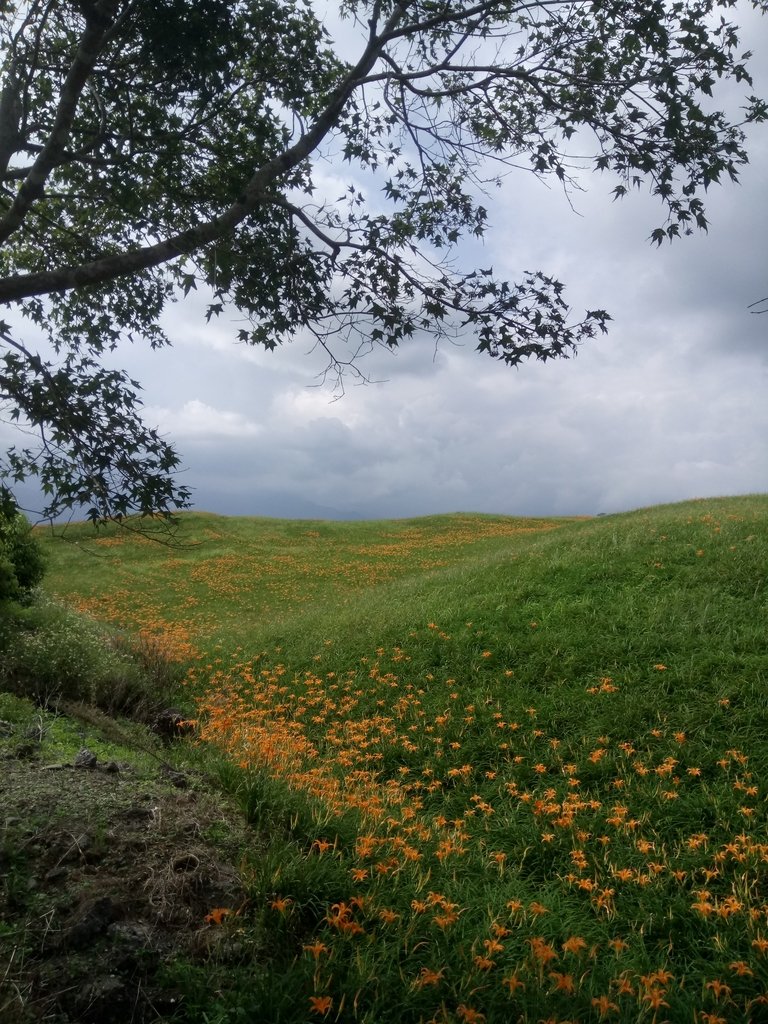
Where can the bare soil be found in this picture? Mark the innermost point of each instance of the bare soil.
(107, 875)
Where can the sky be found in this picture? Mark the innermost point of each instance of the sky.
(670, 405)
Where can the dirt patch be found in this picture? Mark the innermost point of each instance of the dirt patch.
(107, 873)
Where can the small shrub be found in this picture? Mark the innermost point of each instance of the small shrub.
(52, 654)
(15, 709)
(21, 561)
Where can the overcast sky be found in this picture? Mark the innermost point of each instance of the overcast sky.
(670, 405)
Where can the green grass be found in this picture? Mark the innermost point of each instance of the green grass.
(512, 770)
(222, 580)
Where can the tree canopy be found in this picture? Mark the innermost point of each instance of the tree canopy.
(149, 149)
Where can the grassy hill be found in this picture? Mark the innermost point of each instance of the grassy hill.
(510, 769)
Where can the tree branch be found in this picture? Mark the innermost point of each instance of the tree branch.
(100, 20)
(107, 268)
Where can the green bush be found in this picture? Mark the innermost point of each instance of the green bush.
(15, 709)
(51, 654)
(21, 560)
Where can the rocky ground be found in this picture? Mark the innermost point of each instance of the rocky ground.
(110, 861)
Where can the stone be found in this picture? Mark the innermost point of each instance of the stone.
(171, 723)
(85, 759)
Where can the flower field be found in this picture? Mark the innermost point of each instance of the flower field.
(499, 770)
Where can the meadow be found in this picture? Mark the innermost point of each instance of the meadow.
(497, 769)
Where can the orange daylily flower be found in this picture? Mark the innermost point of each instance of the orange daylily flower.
(320, 1004)
(316, 948)
(469, 1015)
(604, 1005)
(492, 946)
(429, 977)
(563, 982)
(741, 968)
(513, 983)
(217, 915)
(542, 951)
(281, 904)
(655, 997)
(719, 988)
(575, 944)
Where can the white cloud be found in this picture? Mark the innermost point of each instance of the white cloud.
(670, 406)
(197, 419)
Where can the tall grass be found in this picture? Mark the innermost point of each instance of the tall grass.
(509, 774)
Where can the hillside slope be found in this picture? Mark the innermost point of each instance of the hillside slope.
(509, 773)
